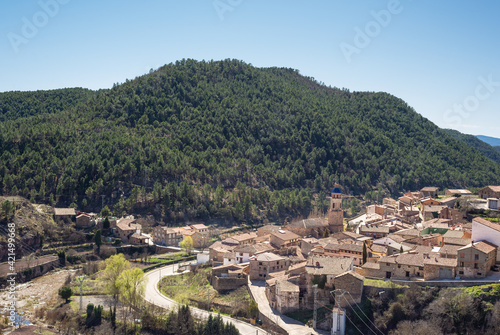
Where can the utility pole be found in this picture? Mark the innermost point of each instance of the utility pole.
(315, 313)
(337, 327)
(81, 279)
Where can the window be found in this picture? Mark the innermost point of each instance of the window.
(420, 267)
(260, 263)
(399, 266)
(460, 272)
(461, 264)
(476, 257)
(475, 266)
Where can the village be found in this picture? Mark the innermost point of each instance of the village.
(424, 237)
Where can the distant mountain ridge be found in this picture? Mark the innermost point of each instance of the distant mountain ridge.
(493, 141)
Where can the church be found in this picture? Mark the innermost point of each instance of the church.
(316, 226)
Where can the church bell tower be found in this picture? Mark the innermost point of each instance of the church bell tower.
(336, 213)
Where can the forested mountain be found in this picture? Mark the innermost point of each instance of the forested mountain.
(473, 141)
(225, 139)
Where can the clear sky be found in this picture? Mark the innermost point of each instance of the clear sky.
(441, 57)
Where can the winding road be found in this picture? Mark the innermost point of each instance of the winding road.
(152, 294)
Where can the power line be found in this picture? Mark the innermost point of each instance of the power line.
(365, 314)
(360, 318)
(353, 324)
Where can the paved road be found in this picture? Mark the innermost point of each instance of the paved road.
(153, 295)
(290, 325)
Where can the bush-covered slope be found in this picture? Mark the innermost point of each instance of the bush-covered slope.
(212, 139)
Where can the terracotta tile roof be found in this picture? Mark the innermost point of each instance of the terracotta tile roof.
(269, 228)
(244, 237)
(454, 233)
(456, 241)
(285, 235)
(352, 274)
(494, 188)
(371, 265)
(268, 257)
(429, 189)
(449, 262)
(64, 211)
(366, 229)
(449, 249)
(328, 265)
(459, 191)
(351, 247)
(310, 223)
(378, 248)
(254, 248)
(286, 286)
(486, 223)
(485, 246)
(409, 232)
(414, 259)
(199, 226)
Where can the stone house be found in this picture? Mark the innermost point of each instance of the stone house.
(430, 192)
(450, 202)
(268, 229)
(489, 192)
(125, 228)
(403, 266)
(138, 238)
(284, 239)
(429, 202)
(218, 250)
(374, 232)
(245, 239)
(346, 250)
(484, 230)
(84, 220)
(64, 214)
(229, 277)
(242, 253)
(439, 267)
(457, 191)
(266, 263)
(167, 236)
(476, 259)
(353, 283)
(287, 296)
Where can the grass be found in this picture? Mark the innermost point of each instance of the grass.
(306, 316)
(382, 283)
(195, 290)
(491, 291)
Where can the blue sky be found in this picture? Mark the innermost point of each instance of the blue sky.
(441, 57)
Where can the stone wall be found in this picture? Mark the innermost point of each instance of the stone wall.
(228, 283)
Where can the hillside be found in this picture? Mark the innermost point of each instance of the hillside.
(228, 140)
(493, 141)
(15, 105)
(473, 141)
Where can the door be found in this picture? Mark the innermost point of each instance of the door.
(445, 273)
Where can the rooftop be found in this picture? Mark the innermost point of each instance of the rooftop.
(487, 223)
(64, 211)
(318, 265)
